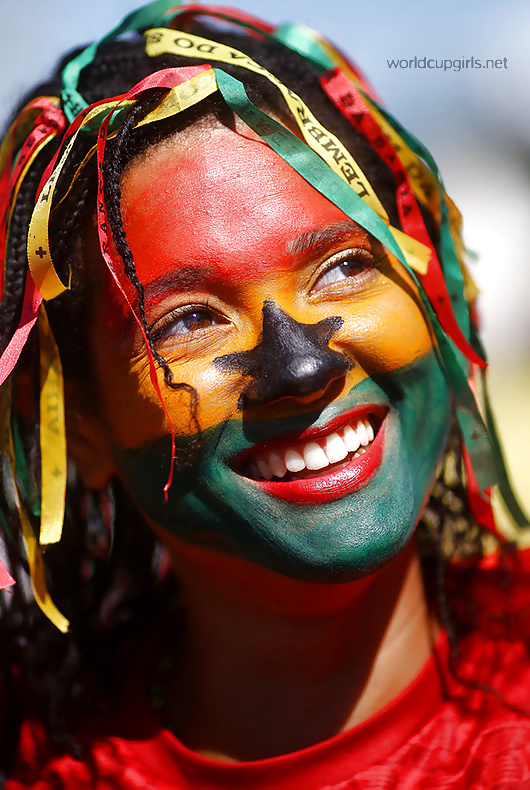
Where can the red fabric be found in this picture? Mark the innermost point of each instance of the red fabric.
(438, 733)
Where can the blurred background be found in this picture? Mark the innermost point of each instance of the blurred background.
(476, 124)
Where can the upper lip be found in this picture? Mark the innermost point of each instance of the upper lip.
(315, 432)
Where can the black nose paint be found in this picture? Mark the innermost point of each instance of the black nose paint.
(290, 360)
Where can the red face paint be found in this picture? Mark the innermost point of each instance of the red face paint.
(224, 206)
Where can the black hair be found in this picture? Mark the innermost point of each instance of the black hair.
(104, 577)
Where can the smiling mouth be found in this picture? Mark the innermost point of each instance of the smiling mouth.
(321, 463)
(303, 460)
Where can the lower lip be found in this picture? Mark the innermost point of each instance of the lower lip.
(316, 490)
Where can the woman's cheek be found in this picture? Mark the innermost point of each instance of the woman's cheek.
(218, 393)
(385, 334)
(134, 410)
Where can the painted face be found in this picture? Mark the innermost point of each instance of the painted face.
(322, 408)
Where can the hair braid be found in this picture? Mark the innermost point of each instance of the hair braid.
(17, 260)
(113, 169)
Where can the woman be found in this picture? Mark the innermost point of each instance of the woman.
(266, 332)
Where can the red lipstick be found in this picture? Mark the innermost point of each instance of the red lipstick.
(332, 483)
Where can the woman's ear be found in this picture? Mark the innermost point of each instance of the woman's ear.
(88, 440)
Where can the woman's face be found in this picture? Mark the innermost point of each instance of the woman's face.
(303, 340)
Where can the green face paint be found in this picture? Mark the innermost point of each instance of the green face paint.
(348, 528)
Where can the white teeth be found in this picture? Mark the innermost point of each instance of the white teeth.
(294, 461)
(254, 470)
(350, 439)
(336, 450)
(264, 468)
(277, 464)
(314, 456)
(362, 433)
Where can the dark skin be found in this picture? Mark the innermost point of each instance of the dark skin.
(258, 677)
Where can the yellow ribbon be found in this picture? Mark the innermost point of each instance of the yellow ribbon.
(41, 266)
(415, 252)
(34, 555)
(317, 137)
(40, 262)
(52, 435)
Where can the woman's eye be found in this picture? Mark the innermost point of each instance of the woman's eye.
(348, 267)
(184, 323)
(191, 322)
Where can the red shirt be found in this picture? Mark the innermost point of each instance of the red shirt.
(438, 733)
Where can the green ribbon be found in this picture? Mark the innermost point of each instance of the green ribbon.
(150, 15)
(23, 478)
(301, 40)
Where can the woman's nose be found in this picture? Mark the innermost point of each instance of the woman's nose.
(291, 359)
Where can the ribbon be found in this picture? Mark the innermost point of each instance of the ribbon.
(52, 435)
(6, 580)
(452, 267)
(30, 311)
(316, 136)
(235, 15)
(46, 126)
(310, 45)
(34, 556)
(150, 15)
(348, 100)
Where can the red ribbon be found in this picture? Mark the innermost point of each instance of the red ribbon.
(480, 503)
(221, 12)
(351, 104)
(50, 121)
(30, 311)
(6, 580)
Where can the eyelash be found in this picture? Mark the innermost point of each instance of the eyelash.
(170, 319)
(358, 257)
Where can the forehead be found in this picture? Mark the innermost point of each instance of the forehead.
(218, 200)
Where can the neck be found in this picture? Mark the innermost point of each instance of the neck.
(270, 665)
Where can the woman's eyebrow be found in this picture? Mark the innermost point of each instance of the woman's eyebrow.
(315, 240)
(183, 279)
